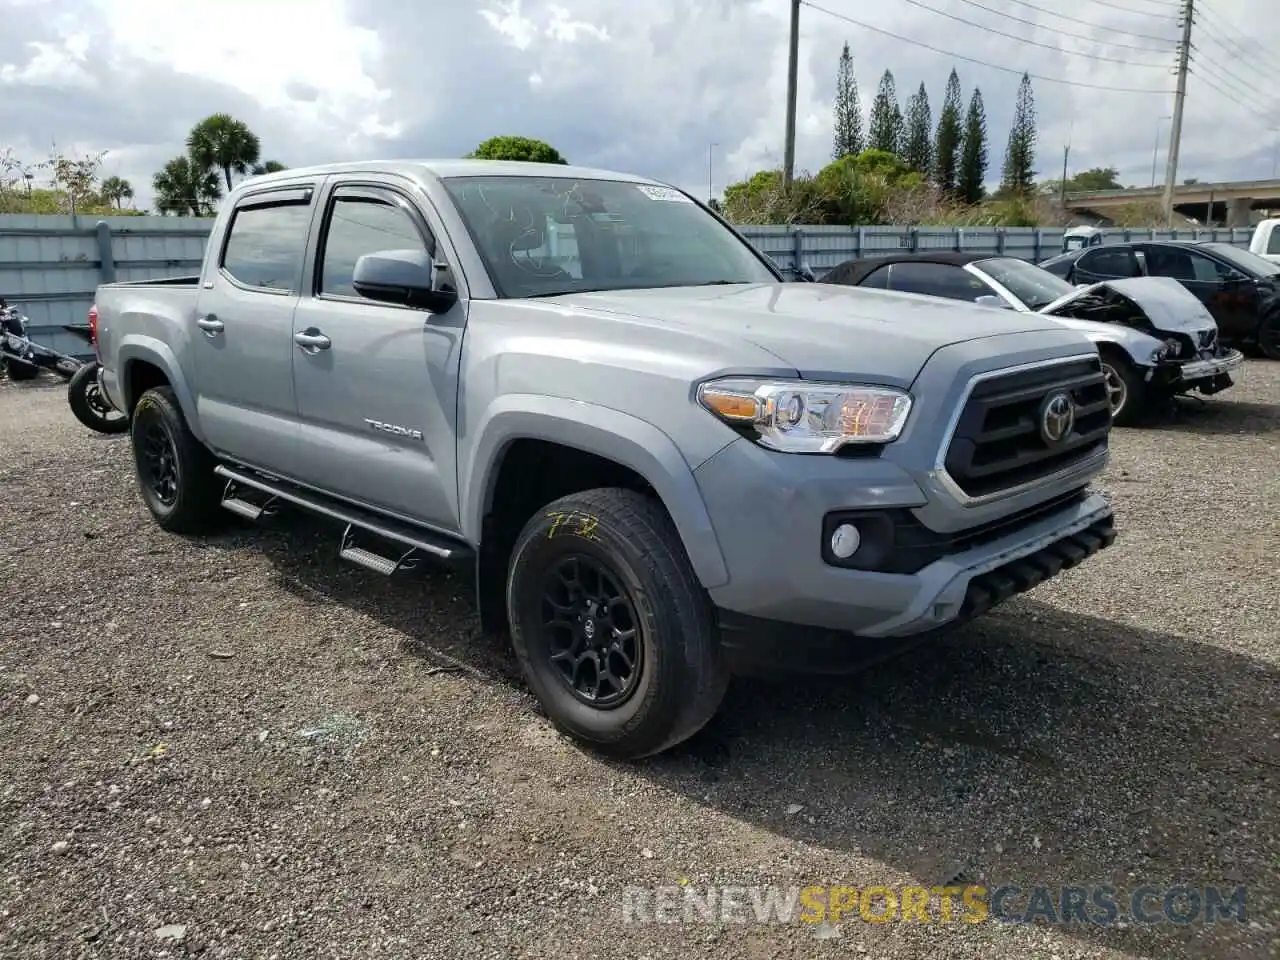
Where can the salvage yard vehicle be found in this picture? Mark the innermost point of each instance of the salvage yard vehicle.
(1240, 289)
(662, 461)
(1156, 340)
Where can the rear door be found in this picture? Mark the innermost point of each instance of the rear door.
(377, 402)
(243, 329)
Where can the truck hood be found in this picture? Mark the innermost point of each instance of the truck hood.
(824, 331)
(1168, 306)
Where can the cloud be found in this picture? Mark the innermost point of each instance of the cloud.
(647, 87)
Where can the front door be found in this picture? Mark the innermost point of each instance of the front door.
(1217, 285)
(242, 338)
(376, 383)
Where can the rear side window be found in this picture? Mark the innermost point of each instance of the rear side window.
(1273, 241)
(265, 246)
(936, 280)
(1109, 262)
(877, 279)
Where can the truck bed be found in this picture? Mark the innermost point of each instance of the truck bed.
(192, 281)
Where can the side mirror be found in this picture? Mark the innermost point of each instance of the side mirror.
(989, 300)
(409, 278)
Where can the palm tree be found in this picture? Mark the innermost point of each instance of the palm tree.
(116, 190)
(221, 142)
(271, 166)
(186, 189)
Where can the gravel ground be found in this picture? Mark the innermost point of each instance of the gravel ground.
(241, 747)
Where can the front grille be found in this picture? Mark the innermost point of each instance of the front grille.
(998, 443)
(1208, 339)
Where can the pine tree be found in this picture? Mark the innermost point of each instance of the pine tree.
(946, 144)
(885, 131)
(848, 139)
(1018, 175)
(973, 152)
(917, 146)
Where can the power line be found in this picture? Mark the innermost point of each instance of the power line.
(1241, 89)
(1090, 23)
(1065, 33)
(1034, 43)
(1136, 13)
(975, 60)
(1232, 95)
(1236, 51)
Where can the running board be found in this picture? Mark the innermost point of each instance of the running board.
(410, 542)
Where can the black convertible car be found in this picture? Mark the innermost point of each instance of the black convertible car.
(1239, 288)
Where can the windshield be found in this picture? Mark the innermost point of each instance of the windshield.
(1034, 286)
(542, 236)
(1250, 263)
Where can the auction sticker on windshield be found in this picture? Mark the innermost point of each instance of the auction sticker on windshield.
(662, 193)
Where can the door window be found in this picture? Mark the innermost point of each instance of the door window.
(1183, 264)
(265, 246)
(1109, 262)
(361, 224)
(937, 280)
(1273, 240)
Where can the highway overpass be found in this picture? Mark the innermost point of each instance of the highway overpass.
(1231, 202)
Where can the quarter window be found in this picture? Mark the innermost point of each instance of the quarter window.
(265, 246)
(359, 225)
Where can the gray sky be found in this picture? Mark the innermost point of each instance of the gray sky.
(642, 87)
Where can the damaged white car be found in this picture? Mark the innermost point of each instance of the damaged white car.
(1155, 338)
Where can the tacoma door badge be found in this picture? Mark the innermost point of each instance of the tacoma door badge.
(394, 428)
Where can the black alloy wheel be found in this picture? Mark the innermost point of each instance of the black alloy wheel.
(594, 640)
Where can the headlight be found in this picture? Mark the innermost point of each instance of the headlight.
(1168, 350)
(805, 417)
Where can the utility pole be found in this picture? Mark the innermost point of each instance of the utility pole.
(793, 69)
(1179, 99)
(1062, 189)
(710, 194)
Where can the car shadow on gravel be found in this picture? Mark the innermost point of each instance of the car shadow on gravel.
(1035, 747)
(1215, 416)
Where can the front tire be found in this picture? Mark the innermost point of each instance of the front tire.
(90, 407)
(1126, 390)
(175, 471)
(614, 633)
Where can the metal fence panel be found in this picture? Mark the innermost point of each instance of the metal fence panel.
(51, 265)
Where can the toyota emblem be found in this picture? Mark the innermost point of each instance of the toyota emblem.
(1057, 417)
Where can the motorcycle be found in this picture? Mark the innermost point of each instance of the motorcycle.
(24, 359)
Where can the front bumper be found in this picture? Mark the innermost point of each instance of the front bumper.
(768, 512)
(1196, 371)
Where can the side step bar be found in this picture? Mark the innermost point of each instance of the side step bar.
(410, 542)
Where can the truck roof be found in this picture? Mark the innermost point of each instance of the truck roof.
(452, 168)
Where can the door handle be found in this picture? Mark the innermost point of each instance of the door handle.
(211, 325)
(312, 340)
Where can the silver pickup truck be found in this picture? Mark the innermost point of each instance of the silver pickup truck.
(662, 461)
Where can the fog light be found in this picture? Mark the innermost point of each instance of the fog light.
(845, 540)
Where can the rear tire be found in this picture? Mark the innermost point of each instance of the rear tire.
(1126, 390)
(175, 471)
(632, 664)
(90, 407)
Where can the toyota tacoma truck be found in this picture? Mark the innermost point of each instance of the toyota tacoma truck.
(663, 462)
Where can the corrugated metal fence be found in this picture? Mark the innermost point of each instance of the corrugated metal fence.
(50, 266)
